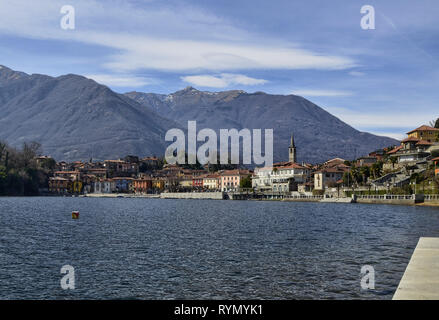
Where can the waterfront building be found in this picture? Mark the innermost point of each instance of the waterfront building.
(186, 182)
(197, 181)
(212, 181)
(281, 177)
(59, 185)
(158, 183)
(328, 177)
(88, 181)
(123, 184)
(231, 179)
(104, 186)
(142, 185)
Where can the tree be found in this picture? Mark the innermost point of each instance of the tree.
(393, 160)
(347, 178)
(365, 173)
(29, 152)
(376, 169)
(19, 174)
(355, 173)
(246, 182)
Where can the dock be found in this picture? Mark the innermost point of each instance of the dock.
(421, 277)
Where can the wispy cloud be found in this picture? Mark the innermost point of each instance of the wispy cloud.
(321, 93)
(223, 80)
(394, 135)
(366, 119)
(120, 80)
(180, 48)
(356, 73)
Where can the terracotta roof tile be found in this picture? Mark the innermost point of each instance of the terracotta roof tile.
(424, 143)
(423, 128)
(410, 139)
(395, 150)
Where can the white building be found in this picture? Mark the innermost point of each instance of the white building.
(280, 178)
(212, 181)
(327, 177)
(105, 186)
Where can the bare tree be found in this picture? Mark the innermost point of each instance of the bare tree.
(434, 123)
(29, 152)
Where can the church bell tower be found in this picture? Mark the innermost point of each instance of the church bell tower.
(292, 151)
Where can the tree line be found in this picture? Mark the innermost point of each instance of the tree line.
(20, 172)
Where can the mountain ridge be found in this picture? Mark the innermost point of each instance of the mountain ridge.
(319, 135)
(75, 118)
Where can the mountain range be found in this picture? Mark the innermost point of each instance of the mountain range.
(319, 135)
(75, 118)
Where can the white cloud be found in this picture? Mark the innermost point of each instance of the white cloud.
(394, 135)
(382, 123)
(380, 119)
(119, 80)
(321, 93)
(169, 39)
(222, 81)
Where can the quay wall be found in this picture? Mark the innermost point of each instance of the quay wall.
(192, 195)
(119, 195)
(390, 199)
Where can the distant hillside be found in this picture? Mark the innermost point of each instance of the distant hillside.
(76, 118)
(319, 135)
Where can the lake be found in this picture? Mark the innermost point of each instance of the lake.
(127, 248)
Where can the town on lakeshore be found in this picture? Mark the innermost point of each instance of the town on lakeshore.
(407, 172)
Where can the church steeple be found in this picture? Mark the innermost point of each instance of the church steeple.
(292, 150)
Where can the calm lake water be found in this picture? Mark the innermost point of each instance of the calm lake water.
(202, 249)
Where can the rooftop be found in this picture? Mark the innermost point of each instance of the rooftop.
(423, 128)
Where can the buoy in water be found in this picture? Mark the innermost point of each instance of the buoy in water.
(75, 214)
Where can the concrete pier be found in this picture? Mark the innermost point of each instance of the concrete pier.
(421, 277)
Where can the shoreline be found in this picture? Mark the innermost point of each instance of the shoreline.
(214, 196)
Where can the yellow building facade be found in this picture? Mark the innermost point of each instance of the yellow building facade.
(426, 133)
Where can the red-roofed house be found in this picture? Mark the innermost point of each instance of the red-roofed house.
(328, 176)
(231, 179)
(424, 132)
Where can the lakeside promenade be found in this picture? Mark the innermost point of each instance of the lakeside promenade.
(418, 199)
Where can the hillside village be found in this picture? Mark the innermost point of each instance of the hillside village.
(408, 168)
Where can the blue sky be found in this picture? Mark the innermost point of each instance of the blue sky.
(383, 81)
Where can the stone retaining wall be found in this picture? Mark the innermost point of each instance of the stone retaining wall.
(192, 195)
